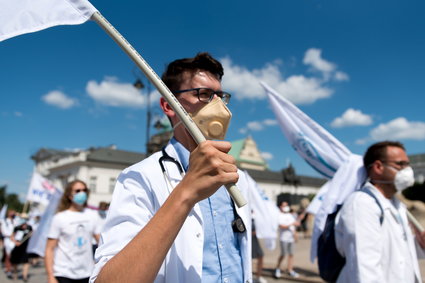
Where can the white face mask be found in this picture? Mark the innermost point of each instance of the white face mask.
(286, 209)
(213, 120)
(404, 178)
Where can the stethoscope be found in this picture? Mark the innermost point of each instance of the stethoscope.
(164, 158)
(237, 224)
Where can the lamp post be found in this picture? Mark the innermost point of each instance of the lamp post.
(139, 85)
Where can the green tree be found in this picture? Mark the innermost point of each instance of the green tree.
(3, 195)
(12, 200)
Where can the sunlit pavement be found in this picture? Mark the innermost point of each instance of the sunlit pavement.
(307, 270)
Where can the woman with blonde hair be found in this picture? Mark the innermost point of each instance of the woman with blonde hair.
(68, 256)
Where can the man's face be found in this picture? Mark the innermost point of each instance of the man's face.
(189, 100)
(201, 79)
(396, 159)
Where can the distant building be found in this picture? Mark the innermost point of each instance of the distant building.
(247, 155)
(100, 167)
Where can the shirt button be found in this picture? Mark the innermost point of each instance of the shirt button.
(215, 213)
(198, 235)
(220, 246)
(225, 280)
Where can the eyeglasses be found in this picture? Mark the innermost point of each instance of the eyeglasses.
(80, 190)
(401, 164)
(206, 94)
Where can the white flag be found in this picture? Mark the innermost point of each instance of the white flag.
(40, 189)
(24, 16)
(312, 142)
(324, 153)
(37, 242)
(3, 212)
(266, 214)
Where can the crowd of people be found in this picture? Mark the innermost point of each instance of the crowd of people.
(71, 240)
(171, 218)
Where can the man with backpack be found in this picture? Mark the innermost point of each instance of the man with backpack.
(371, 229)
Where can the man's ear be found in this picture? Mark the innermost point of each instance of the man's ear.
(166, 108)
(378, 167)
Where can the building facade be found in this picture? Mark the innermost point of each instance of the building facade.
(100, 167)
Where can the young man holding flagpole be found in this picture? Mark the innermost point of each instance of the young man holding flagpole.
(175, 236)
(171, 219)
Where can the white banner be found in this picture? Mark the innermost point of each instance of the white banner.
(312, 142)
(37, 242)
(40, 189)
(266, 214)
(324, 153)
(3, 212)
(24, 16)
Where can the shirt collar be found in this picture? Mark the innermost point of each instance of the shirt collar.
(182, 153)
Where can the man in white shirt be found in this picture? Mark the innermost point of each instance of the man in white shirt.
(375, 251)
(170, 218)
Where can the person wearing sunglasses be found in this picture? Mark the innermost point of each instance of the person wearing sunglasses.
(372, 231)
(171, 218)
(69, 256)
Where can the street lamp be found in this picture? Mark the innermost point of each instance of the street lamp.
(139, 85)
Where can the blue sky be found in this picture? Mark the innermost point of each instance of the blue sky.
(355, 67)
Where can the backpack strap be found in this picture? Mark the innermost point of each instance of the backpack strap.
(367, 191)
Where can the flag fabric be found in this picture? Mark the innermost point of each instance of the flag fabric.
(3, 212)
(312, 142)
(37, 242)
(24, 16)
(328, 156)
(266, 214)
(40, 189)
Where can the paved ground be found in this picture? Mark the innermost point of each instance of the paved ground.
(303, 266)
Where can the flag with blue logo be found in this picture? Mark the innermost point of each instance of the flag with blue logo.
(25, 16)
(312, 142)
(327, 155)
(37, 242)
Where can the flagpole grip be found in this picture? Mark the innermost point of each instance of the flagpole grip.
(163, 90)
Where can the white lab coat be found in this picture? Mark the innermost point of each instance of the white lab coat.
(139, 192)
(375, 252)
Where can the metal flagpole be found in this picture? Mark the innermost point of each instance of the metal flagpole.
(165, 92)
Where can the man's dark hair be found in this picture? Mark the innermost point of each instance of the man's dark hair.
(174, 73)
(378, 151)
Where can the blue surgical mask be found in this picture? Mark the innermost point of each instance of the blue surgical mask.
(80, 198)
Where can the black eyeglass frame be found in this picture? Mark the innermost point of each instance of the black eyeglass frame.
(224, 96)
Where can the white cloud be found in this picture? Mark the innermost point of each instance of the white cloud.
(18, 114)
(245, 84)
(352, 117)
(256, 126)
(113, 93)
(313, 57)
(341, 76)
(399, 129)
(59, 99)
(270, 122)
(267, 155)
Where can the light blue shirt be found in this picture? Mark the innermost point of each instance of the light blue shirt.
(222, 260)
